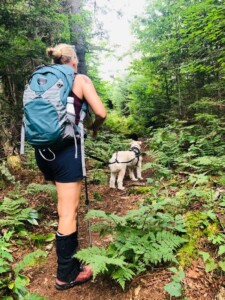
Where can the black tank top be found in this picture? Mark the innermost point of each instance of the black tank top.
(77, 106)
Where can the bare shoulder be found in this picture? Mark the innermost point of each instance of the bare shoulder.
(83, 79)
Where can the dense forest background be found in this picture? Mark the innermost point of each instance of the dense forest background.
(172, 97)
(179, 73)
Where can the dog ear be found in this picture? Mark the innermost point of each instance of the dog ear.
(140, 143)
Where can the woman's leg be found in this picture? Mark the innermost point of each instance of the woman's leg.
(66, 237)
(68, 202)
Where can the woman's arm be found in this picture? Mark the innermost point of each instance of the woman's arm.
(84, 88)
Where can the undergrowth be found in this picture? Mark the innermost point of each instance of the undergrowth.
(180, 218)
(16, 222)
(181, 211)
(144, 237)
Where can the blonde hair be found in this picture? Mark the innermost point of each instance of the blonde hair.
(62, 53)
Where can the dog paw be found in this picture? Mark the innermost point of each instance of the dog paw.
(140, 178)
(121, 188)
(134, 179)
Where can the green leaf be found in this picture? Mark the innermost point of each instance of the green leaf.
(99, 260)
(221, 249)
(205, 255)
(210, 265)
(150, 180)
(34, 296)
(222, 265)
(29, 260)
(174, 289)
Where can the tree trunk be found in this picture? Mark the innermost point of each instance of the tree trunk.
(78, 35)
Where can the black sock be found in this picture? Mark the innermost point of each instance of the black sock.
(68, 266)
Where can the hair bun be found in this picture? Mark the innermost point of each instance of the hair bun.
(53, 53)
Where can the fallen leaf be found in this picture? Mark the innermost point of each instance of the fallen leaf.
(137, 290)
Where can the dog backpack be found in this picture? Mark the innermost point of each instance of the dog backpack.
(45, 120)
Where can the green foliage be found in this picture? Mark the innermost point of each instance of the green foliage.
(116, 123)
(29, 260)
(15, 283)
(12, 282)
(188, 148)
(35, 188)
(29, 161)
(196, 181)
(158, 169)
(138, 190)
(210, 263)
(97, 176)
(5, 173)
(27, 28)
(105, 145)
(14, 218)
(198, 225)
(14, 213)
(101, 262)
(209, 164)
(40, 239)
(5, 254)
(143, 237)
(174, 288)
(179, 72)
(97, 196)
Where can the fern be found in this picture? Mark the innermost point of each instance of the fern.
(35, 188)
(99, 260)
(4, 171)
(14, 213)
(29, 260)
(13, 284)
(12, 207)
(5, 254)
(122, 276)
(143, 237)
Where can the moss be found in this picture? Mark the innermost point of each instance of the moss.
(138, 190)
(187, 253)
(198, 225)
(211, 229)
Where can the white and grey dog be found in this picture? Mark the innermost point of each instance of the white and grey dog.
(122, 160)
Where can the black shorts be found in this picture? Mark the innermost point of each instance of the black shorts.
(64, 168)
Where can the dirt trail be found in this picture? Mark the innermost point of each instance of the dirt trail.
(149, 285)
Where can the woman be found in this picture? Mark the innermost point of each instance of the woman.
(66, 172)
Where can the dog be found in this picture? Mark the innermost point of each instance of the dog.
(122, 160)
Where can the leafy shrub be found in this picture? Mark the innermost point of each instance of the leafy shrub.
(29, 159)
(104, 146)
(35, 188)
(143, 237)
(6, 174)
(97, 176)
(193, 147)
(116, 123)
(14, 284)
(14, 212)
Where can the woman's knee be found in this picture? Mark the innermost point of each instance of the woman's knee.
(67, 214)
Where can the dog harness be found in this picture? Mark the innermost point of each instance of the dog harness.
(137, 153)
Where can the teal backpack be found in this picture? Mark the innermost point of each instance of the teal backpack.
(45, 121)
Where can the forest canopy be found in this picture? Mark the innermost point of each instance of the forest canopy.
(179, 73)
